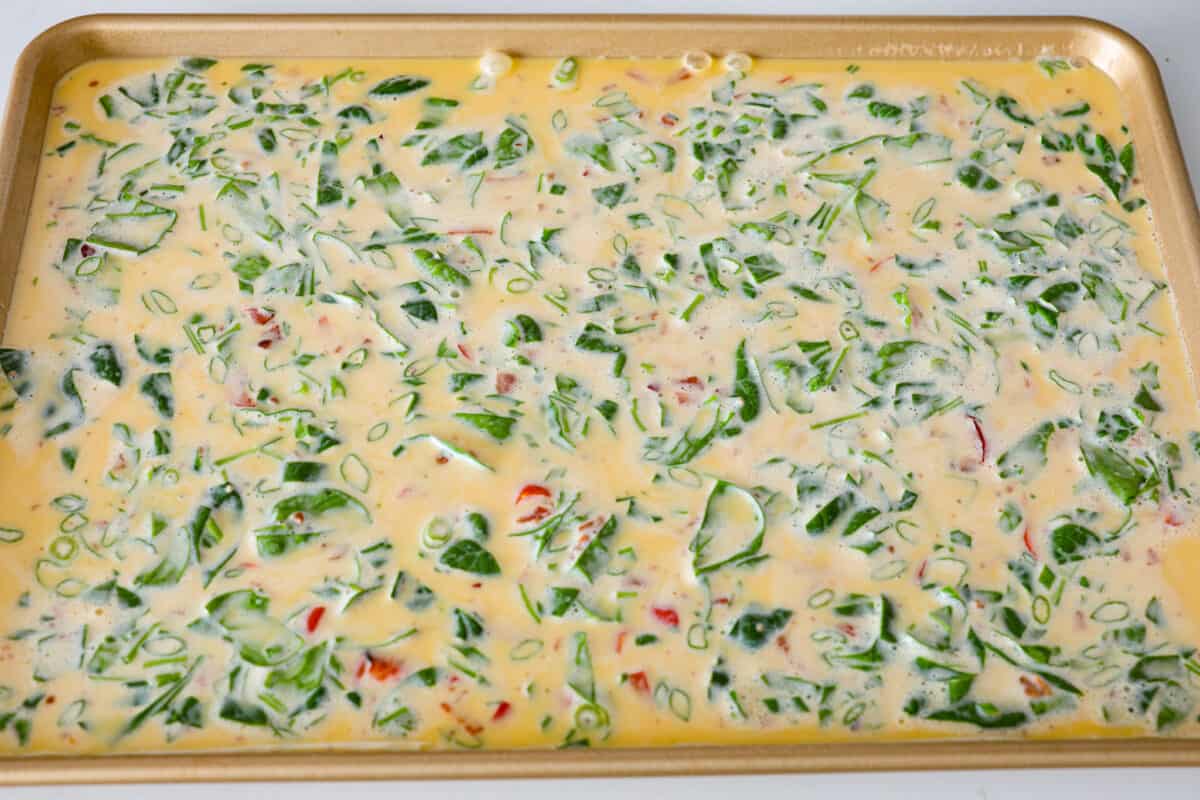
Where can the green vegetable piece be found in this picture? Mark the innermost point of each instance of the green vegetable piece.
(135, 227)
(513, 144)
(159, 704)
(355, 114)
(1027, 457)
(248, 269)
(882, 110)
(1121, 477)
(1070, 543)
(461, 380)
(592, 150)
(521, 329)
(692, 442)
(755, 627)
(982, 715)
(177, 555)
(437, 266)
(1146, 400)
(316, 503)
(198, 63)
(562, 600)
(399, 85)
(103, 594)
(595, 556)
(478, 524)
(593, 340)
(261, 639)
(829, 514)
(15, 365)
(494, 425)
(467, 625)
(731, 532)
(746, 384)
(329, 186)
(958, 683)
(275, 545)
(105, 364)
(1011, 109)
(469, 555)
(610, 196)
(1108, 297)
(860, 518)
(565, 72)
(423, 310)
(465, 150)
(243, 713)
(302, 471)
(973, 177)
(157, 387)
(891, 357)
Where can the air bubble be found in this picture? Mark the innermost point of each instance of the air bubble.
(697, 61)
(495, 64)
(738, 62)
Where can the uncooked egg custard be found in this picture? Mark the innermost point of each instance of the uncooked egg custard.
(582, 403)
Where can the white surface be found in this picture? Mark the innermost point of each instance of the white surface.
(1168, 27)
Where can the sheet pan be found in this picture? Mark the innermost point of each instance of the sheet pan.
(1165, 182)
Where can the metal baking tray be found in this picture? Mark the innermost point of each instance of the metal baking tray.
(1165, 181)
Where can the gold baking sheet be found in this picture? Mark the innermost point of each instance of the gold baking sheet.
(1165, 181)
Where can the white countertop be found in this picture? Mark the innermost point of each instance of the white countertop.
(1170, 28)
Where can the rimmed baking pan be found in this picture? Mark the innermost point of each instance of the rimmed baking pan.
(1164, 178)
